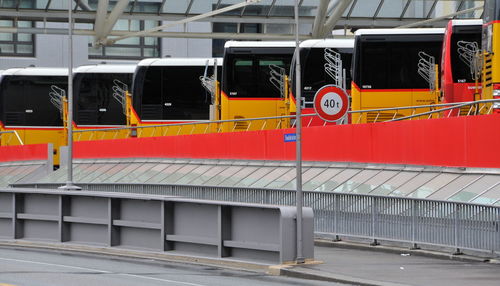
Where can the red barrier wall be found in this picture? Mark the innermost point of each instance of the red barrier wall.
(23, 153)
(455, 142)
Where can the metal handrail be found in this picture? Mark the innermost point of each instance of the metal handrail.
(453, 104)
(457, 105)
(141, 186)
(448, 106)
(15, 133)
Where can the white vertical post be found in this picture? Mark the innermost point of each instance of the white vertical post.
(298, 122)
(69, 184)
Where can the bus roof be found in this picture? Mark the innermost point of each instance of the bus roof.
(328, 43)
(105, 69)
(179, 62)
(467, 22)
(35, 71)
(399, 31)
(259, 44)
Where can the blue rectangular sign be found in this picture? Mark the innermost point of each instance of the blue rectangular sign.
(290, 137)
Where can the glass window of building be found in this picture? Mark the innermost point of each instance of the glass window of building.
(129, 48)
(218, 44)
(16, 44)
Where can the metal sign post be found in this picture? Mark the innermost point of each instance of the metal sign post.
(298, 122)
(69, 184)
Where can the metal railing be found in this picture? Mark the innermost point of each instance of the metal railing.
(12, 132)
(413, 221)
(471, 108)
(279, 122)
(442, 110)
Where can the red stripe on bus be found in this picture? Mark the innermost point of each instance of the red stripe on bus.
(250, 98)
(389, 90)
(33, 128)
(492, 22)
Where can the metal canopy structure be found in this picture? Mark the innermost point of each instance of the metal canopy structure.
(318, 18)
(437, 183)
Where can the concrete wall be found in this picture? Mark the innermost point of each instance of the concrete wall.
(244, 232)
(183, 47)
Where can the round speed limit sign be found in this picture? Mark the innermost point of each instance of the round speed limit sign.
(331, 103)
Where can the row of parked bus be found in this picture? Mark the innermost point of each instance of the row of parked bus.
(380, 68)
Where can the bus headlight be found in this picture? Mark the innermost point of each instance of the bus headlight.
(496, 95)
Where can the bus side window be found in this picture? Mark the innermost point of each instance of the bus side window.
(13, 102)
(265, 87)
(243, 82)
(151, 105)
(399, 75)
(374, 66)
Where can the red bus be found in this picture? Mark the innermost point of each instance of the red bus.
(460, 77)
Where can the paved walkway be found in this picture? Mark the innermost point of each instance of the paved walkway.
(368, 267)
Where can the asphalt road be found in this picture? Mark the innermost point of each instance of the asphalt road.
(28, 267)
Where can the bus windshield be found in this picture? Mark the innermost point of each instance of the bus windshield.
(392, 61)
(315, 74)
(248, 75)
(465, 42)
(317, 71)
(25, 100)
(171, 93)
(95, 104)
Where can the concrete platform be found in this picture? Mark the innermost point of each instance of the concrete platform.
(374, 267)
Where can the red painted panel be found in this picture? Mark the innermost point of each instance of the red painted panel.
(482, 139)
(458, 141)
(23, 153)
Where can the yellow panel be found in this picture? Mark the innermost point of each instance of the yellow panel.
(364, 100)
(253, 108)
(37, 136)
(385, 99)
(100, 135)
(495, 55)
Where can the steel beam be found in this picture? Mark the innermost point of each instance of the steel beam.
(319, 20)
(161, 6)
(351, 9)
(100, 18)
(378, 9)
(48, 5)
(405, 9)
(89, 17)
(184, 21)
(112, 18)
(421, 23)
(189, 7)
(433, 7)
(84, 4)
(81, 32)
(132, 8)
(336, 15)
(271, 7)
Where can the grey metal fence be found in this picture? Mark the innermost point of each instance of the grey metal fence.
(415, 221)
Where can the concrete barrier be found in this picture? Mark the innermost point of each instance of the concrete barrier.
(247, 232)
